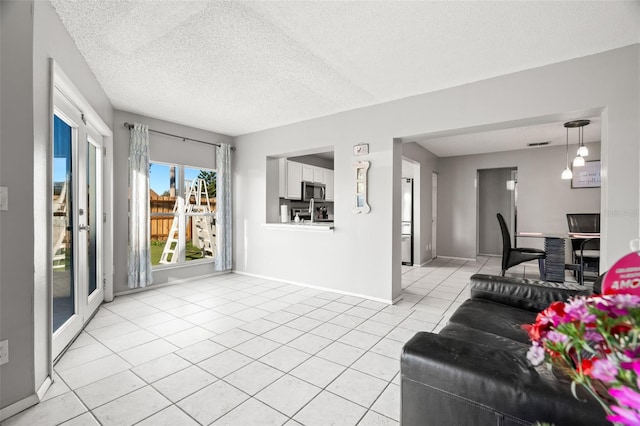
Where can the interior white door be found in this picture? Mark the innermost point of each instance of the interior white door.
(77, 277)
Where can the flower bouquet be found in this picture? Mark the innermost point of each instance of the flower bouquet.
(595, 340)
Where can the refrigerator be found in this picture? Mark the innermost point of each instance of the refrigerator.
(407, 222)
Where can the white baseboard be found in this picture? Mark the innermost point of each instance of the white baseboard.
(427, 262)
(180, 281)
(16, 407)
(27, 402)
(346, 293)
(457, 258)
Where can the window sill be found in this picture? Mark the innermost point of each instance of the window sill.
(309, 227)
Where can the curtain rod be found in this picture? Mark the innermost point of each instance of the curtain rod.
(130, 126)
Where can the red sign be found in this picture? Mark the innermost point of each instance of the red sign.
(624, 276)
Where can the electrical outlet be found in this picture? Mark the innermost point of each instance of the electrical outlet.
(4, 352)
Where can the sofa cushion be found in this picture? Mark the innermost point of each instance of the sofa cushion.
(532, 295)
(494, 318)
(447, 381)
(473, 336)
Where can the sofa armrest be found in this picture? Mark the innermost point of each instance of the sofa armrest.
(532, 295)
(448, 381)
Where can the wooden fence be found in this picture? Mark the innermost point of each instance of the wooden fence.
(161, 225)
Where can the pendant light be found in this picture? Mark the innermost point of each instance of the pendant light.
(582, 150)
(566, 173)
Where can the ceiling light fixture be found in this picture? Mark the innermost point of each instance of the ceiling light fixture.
(579, 160)
(582, 150)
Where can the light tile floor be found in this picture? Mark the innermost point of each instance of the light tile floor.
(237, 350)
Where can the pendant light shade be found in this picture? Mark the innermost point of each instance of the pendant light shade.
(567, 174)
(583, 151)
(578, 161)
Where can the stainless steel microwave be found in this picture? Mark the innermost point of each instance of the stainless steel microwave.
(314, 190)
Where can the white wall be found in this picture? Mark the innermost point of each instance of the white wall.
(543, 198)
(422, 192)
(163, 149)
(358, 257)
(32, 33)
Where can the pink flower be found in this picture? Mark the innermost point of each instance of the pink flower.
(626, 396)
(604, 370)
(577, 310)
(624, 416)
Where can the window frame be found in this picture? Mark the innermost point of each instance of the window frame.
(183, 217)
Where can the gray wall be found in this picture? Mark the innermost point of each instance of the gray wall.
(543, 198)
(359, 256)
(164, 149)
(32, 33)
(422, 195)
(493, 198)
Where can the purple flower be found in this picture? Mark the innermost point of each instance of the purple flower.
(604, 370)
(593, 336)
(577, 310)
(626, 396)
(535, 354)
(624, 416)
(556, 337)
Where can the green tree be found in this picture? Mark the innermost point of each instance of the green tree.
(210, 178)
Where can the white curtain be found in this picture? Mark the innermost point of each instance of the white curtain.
(223, 207)
(139, 232)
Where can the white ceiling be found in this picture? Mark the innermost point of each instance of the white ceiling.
(236, 67)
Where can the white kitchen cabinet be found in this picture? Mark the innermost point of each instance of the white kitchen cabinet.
(328, 181)
(307, 173)
(294, 179)
(292, 175)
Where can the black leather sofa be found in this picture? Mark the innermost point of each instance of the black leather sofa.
(475, 371)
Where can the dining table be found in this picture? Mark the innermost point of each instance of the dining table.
(555, 249)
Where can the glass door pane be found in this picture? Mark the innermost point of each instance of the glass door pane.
(64, 306)
(92, 219)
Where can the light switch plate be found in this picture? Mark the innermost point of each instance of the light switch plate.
(4, 198)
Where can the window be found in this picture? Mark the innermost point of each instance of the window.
(182, 214)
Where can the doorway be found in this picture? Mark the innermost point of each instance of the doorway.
(496, 194)
(77, 222)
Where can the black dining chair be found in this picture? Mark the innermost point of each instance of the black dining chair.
(588, 258)
(514, 256)
(586, 223)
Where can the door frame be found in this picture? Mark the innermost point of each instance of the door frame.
(61, 82)
(434, 214)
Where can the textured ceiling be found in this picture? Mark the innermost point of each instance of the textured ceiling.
(236, 67)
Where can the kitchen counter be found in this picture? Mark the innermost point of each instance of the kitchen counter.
(302, 226)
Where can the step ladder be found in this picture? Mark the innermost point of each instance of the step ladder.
(203, 234)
